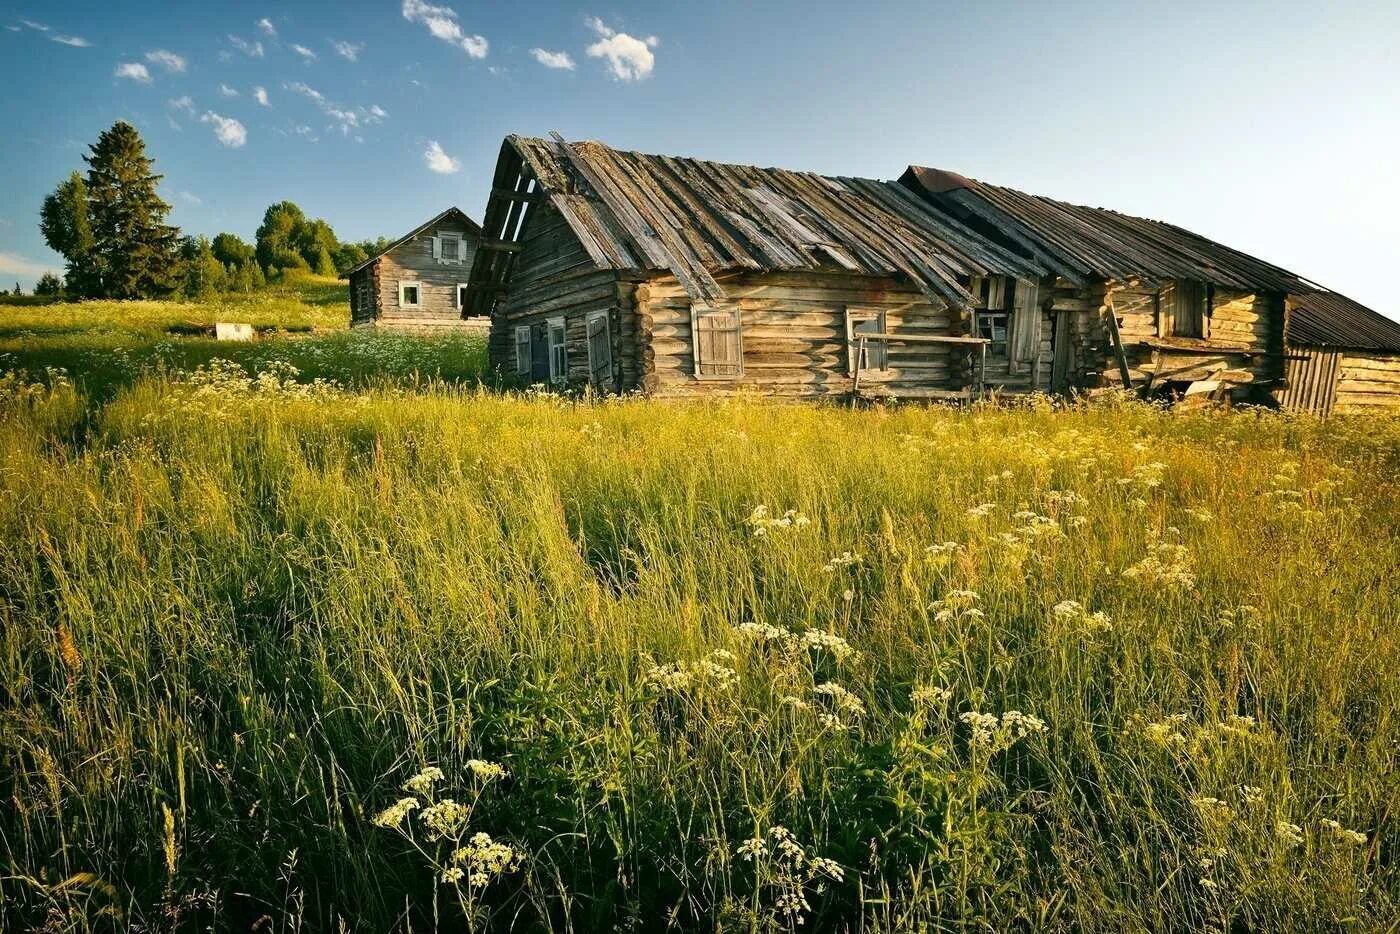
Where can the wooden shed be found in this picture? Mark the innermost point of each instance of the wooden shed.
(1136, 302)
(1343, 357)
(683, 277)
(419, 282)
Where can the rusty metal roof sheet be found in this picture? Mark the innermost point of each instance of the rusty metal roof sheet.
(1328, 319)
(696, 218)
(1079, 242)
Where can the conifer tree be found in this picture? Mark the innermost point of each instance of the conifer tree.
(134, 249)
(63, 220)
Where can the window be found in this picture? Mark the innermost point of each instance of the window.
(599, 348)
(410, 294)
(992, 325)
(717, 342)
(1188, 313)
(860, 321)
(449, 248)
(461, 295)
(558, 350)
(523, 360)
(991, 317)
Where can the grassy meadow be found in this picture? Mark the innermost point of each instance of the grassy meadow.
(403, 653)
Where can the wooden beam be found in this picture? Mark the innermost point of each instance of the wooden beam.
(501, 246)
(1117, 342)
(512, 195)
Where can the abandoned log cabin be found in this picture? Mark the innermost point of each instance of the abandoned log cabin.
(1343, 357)
(686, 277)
(419, 281)
(1168, 310)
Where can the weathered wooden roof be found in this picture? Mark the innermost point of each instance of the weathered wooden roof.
(471, 225)
(1327, 319)
(696, 218)
(1078, 242)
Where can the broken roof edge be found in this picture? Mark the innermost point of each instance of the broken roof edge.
(472, 227)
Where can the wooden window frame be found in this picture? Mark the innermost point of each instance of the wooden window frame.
(593, 366)
(410, 284)
(558, 365)
(1200, 316)
(698, 311)
(460, 287)
(524, 364)
(440, 255)
(876, 349)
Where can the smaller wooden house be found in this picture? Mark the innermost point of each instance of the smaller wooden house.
(419, 282)
(1343, 357)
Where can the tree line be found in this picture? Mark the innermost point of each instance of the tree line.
(110, 227)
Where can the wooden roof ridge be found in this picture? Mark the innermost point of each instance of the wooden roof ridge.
(472, 226)
(1102, 241)
(697, 217)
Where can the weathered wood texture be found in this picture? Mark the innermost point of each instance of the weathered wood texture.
(413, 260)
(794, 336)
(1368, 382)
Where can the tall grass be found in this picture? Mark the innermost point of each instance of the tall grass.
(1105, 668)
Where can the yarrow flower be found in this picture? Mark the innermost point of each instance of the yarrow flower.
(393, 815)
(844, 560)
(762, 522)
(1338, 832)
(486, 771)
(422, 783)
(821, 640)
(1290, 834)
(486, 859)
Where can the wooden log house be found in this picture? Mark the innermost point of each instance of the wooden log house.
(419, 282)
(1343, 357)
(683, 277)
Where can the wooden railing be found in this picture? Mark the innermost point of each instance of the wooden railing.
(979, 343)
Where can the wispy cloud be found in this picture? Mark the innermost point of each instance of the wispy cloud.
(260, 95)
(227, 91)
(133, 70)
(267, 28)
(191, 198)
(350, 50)
(629, 58)
(304, 52)
(553, 59)
(12, 264)
(167, 60)
(346, 119)
(439, 161)
(33, 25)
(227, 130)
(77, 42)
(442, 23)
(250, 49)
(185, 103)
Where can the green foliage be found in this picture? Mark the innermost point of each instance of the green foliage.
(741, 664)
(204, 275)
(134, 251)
(48, 285)
(231, 250)
(276, 238)
(67, 229)
(348, 256)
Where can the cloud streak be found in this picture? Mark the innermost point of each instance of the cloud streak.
(250, 49)
(133, 70)
(260, 95)
(628, 58)
(166, 59)
(561, 60)
(439, 161)
(346, 119)
(12, 264)
(304, 52)
(442, 22)
(347, 50)
(267, 28)
(228, 131)
(77, 42)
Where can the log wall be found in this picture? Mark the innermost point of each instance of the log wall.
(413, 260)
(1367, 382)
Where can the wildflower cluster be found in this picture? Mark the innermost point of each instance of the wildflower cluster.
(762, 522)
(784, 869)
(844, 560)
(1070, 617)
(998, 733)
(1167, 565)
(482, 860)
(940, 554)
(1341, 834)
(957, 605)
(713, 671)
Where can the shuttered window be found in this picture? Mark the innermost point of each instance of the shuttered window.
(600, 362)
(718, 342)
(558, 350)
(1025, 326)
(1189, 309)
(865, 321)
(523, 361)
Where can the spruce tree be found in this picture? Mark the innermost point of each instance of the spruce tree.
(135, 250)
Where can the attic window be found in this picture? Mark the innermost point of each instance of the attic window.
(448, 248)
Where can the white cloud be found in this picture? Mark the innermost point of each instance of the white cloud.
(133, 70)
(350, 50)
(14, 265)
(33, 25)
(227, 91)
(629, 58)
(346, 119)
(167, 60)
(439, 161)
(190, 198)
(553, 59)
(12, 28)
(260, 95)
(304, 52)
(226, 129)
(77, 42)
(250, 49)
(442, 23)
(185, 103)
(266, 26)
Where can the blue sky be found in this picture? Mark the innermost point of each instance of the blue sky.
(1270, 126)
